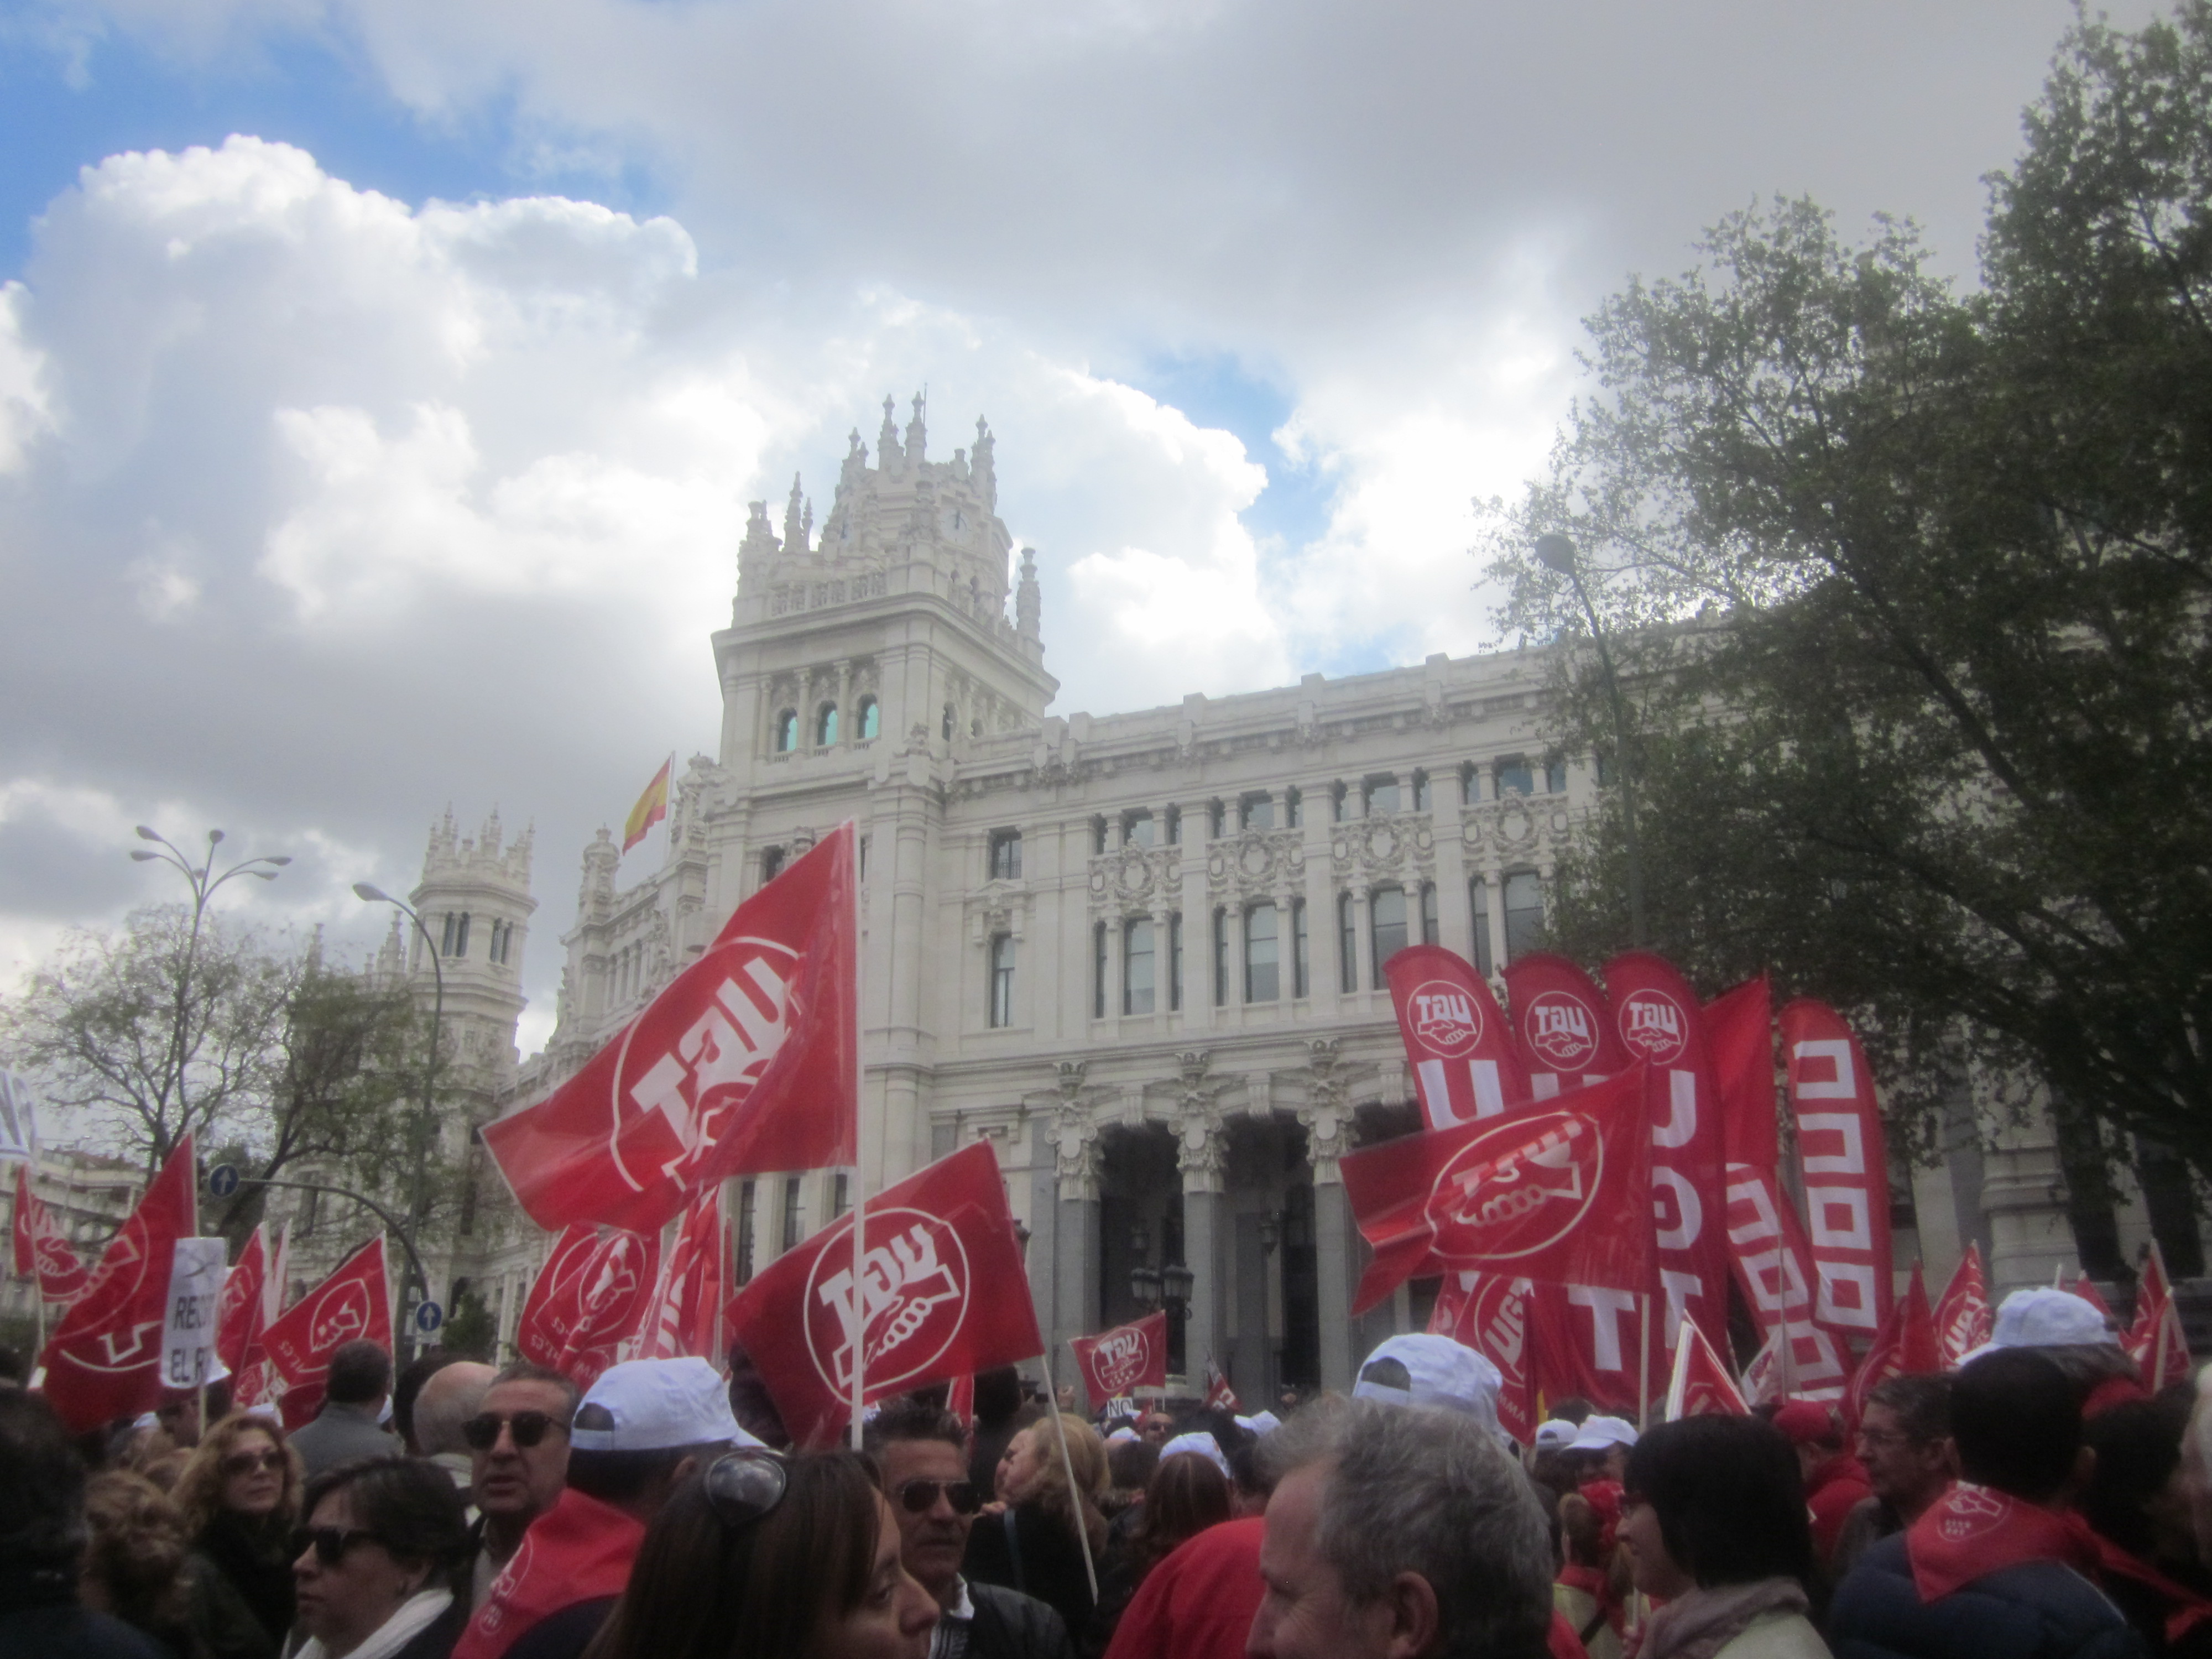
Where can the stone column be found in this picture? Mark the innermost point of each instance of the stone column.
(1201, 1152)
(1336, 1259)
(844, 702)
(1075, 1137)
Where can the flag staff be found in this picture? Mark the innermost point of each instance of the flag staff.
(1644, 1359)
(1067, 1468)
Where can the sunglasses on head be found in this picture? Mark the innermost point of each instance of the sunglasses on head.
(330, 1544)
(528, 1428)
(253, 1462)
(919, 1496)
(742, 1486)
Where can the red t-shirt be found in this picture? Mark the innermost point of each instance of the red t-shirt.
(579, 1550)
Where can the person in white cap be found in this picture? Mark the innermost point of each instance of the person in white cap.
(1422, 1369)
(2072, 1334)
(643, 1426)
(1607, 1441)
(1197, 1445)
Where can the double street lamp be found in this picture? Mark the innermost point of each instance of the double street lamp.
(424, 1117)
(1556, 553)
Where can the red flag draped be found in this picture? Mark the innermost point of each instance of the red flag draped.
(2155, 1341)
(2086, 1288)
(104, 1359)
(686, 1314)
(1589, 1339)
(1563, 1022)
(41, 1247)
(243, 1311)
(588, 1299)
(1488, 1313)
(1963, 1320)
(1656, 1014)
(745, 1064)
(1543, 1194)
(354, 1302)
(943, 1292)
(1766, 1244)
(1217, 1391)
(1840, 1149)
(1700, 1385)
(1128, 1356)
(1905, 1345)
(1465, 1064)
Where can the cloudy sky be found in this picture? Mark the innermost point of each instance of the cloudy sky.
(381, 385)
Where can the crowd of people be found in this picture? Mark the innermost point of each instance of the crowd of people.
(2038, 1501)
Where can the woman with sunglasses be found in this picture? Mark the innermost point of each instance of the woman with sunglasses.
(379, 1562)
(761, 1556)
(239, 1496)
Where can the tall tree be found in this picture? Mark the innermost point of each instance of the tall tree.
(1908, 589)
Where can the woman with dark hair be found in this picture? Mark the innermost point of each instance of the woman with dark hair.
(1186, 1495)
(2138, 1504)
(239, 1497)
(1713, 1522)
(380, 1562)
(760, 1556)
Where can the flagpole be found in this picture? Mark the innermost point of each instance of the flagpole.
(1642, 1360)
(1067, 1468)
(2158, 1336)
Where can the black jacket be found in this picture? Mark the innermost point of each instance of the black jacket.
(255, 1557)
(1009, 1624)
(1039, 1555)
(39, 1619)
(2041, 1610)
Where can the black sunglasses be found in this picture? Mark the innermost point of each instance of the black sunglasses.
(528, 1428)
(919, 1496)
(742, 1486)
(329, 1543)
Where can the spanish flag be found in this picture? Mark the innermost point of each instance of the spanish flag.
(652, 806)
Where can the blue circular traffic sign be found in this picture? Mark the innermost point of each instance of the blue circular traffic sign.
(429, 1315)
(223, 1180)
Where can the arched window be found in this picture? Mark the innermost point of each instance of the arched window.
(872, 719)
(825, 726)
(786, 731)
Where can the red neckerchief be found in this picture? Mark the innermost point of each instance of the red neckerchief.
(1592, 1582)
(2186, 1608)
(579, 1550)
(1971, 1531)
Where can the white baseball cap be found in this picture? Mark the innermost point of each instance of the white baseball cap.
(655, 1405)
(1125, 1432)
(1604, 1434)
(2041, 1317)
(1435, 1371)
(1259, 1425)
(1197, 1445)
(1556, 1434)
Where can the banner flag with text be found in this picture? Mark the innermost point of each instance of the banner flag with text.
(1963, 1320)
(1841, 1150)
(589, 1299)
(685, 1317)
(943, 1292)
(1488, 1313)
(354, 1304)
(1905, 1345)
(1127, 1357)
(746, 1063)
(1563, 1022)
(1465, 1064)
(41, 1247)
(104, 1359)
(1587, 1339)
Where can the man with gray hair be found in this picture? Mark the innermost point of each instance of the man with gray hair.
(1400, 1530)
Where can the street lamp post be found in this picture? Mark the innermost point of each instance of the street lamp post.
(204, 882)
(420, 1204)
(1557, 552)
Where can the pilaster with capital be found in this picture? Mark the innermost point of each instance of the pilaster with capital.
(1201, 1153)
(1073, 1134)
(1326, 1116)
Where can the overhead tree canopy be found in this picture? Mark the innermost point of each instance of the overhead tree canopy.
(1909, 588)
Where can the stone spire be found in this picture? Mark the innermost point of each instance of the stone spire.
(1028, 601)
(797, 524)
(917, 433)
(888, 455)
(986, 476)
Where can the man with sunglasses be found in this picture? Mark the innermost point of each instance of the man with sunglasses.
(518, 1442)
(922, 1454)
(642, 1428)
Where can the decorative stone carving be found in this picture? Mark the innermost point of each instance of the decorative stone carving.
(1073, 1135)
(1132, 881)
(1002, 907)
(1326, 1114)
(1520, 827)
(1201, 1146)
(1384, 847)
(1255, 863)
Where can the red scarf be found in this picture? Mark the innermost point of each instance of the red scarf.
(1592, 1582)
(1973, 1530)
(579, 1550)
(2185, 1608)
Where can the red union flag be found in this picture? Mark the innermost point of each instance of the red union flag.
(1588, 1340)
(2155, 1342)
(1840, 1149)
(1700, 1385)
(1566, 1031)
(243, 1309)
(1963, 1320)
(943, 1292)
(1656, 1014)
(41, 1247)
(687, 1301)
(104, 1360)
(1551, 1193)
(1905, 1345)
(354, 1303)
(1765, 1243)
(1127, 1357)
(1488, 1313)
(744, 1064)
(1464, 1062)
(589, 1299)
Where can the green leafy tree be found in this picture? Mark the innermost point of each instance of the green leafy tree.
(1908, 590)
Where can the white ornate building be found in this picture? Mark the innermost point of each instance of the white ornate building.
(1137, 951)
